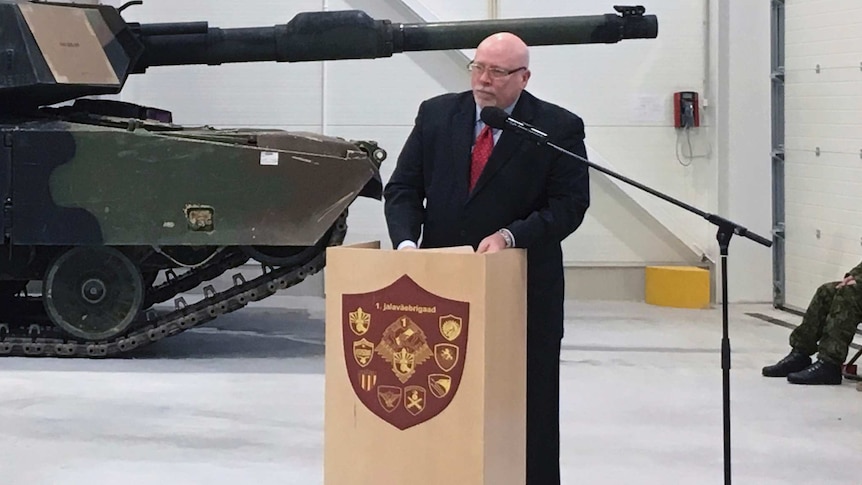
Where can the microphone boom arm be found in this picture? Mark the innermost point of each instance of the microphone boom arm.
(498, 118)
(723, 223)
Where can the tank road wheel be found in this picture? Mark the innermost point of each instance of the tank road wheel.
(286, 256)
(280, 255)
(93, 292)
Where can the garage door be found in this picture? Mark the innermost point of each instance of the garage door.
(823, 144)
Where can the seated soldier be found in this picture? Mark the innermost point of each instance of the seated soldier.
(827, 328)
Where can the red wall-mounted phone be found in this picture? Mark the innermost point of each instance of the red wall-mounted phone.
(685, 112)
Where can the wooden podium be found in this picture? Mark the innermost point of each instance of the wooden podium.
(425, 367)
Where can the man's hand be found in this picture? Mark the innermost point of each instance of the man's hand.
(406, 246)
(492, 244)
(848, 281)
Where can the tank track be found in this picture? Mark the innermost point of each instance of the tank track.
(38, 337)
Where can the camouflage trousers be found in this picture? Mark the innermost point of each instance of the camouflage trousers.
(829, 322)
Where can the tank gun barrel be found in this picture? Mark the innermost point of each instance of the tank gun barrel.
(352, 34)
(172, 28)
(58, 51)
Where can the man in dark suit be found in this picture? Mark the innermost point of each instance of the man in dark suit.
(447, 190)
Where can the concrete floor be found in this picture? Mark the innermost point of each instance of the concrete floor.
(241, 401)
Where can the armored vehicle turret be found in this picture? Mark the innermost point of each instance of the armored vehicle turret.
(111, 208)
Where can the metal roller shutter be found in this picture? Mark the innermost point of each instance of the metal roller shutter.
(822, 179)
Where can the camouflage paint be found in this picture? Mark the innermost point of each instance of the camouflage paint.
(96, 184)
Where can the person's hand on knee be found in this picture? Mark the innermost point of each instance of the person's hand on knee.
(847, 281)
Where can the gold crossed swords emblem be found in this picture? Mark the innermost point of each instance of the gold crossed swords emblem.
(414, 399)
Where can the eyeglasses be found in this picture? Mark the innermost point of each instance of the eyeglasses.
(493, 72)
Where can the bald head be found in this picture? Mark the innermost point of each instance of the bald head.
(506, 48)
(500, 70)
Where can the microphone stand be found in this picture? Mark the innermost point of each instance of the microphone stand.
(726, 230)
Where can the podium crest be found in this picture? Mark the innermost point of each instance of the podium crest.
(413, 342)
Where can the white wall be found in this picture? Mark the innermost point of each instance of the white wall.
(740, 77)
(623, 91)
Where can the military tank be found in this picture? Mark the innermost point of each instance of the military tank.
(113, 210)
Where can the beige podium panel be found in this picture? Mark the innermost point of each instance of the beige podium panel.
(425, 367)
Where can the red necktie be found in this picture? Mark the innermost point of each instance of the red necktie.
(481, 152)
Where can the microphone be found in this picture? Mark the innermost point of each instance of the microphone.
(498, 118)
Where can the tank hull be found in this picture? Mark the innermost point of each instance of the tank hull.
(191, 187)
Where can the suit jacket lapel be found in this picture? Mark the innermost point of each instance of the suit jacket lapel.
(462, 128)
(507, 145)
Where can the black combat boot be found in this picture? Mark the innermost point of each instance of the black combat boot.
(817, 373)
(794, 362)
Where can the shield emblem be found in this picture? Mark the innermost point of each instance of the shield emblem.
(414, 399)
(389, 397)
(439, 384)
(367, 380)
(359, 321)
(446, 356)
(363, 352)
(414, 345)
(450, 327)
